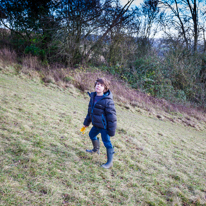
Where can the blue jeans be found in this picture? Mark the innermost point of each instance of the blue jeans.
(105, 137)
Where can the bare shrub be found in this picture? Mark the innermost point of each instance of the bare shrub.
(31, 62)
(85, 80)
(8, 56)
(49, 74)
(58, 74)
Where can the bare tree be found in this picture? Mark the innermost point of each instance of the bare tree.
(150, 12)
(85, 24)
(183, 16)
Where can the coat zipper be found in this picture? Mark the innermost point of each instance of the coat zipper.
(95, 104)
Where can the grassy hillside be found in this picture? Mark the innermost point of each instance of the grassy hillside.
(43, 159)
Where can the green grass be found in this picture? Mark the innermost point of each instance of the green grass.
(43, 159)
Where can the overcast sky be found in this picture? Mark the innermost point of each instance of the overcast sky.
(136, 2)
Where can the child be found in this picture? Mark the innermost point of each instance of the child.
(102, 114)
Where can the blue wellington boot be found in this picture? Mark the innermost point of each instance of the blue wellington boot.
(96, 147)
(110, 153)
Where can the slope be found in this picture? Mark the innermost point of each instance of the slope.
(43, 159)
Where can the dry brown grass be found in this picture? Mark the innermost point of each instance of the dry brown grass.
(32, 62)
(124, 95)
(8, 56)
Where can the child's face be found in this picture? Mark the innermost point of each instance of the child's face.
(99, 88)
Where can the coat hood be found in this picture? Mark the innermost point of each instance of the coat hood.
(107, 95)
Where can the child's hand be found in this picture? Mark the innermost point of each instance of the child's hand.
(83, 129)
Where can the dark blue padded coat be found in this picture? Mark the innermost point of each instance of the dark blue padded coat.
(102, 114)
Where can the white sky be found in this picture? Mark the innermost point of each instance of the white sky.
(135, 3)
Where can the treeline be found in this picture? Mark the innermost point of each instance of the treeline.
(117, 38)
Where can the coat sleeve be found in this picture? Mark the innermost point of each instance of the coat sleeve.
(87, 120)
(111, 118)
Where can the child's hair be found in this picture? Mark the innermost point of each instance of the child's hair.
(103, 81)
